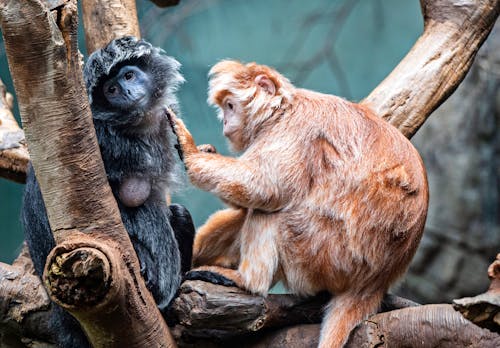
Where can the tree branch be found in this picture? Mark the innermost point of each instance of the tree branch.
(45, 64)
(432, 70)
(484, 309)
(216, 316)
(107, 20)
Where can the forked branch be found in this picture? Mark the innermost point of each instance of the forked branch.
(432, 70)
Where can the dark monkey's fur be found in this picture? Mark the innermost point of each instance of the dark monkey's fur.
(138, 152)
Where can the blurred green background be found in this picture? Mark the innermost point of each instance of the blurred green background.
(344, 47)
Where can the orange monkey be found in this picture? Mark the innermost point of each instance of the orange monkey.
(325, 195)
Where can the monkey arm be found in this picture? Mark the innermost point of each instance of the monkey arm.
(237, 181)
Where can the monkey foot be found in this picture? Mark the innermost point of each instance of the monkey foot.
(215, 275)
(210, 277)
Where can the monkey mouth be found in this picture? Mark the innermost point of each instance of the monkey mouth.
(140, 100)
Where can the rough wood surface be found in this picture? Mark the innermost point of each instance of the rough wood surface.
(41, 47)
(484, 309)
(13, 151)
(207, 310)
(453, 32)
(105, 20)
(24, 312)
(423, 326)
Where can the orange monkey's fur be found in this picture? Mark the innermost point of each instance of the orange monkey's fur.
(326, 195)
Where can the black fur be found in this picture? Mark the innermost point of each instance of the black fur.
(210, 277)
(162, 235)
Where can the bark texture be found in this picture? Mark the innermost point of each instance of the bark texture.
(215, 316)
(484, 309)
(46, 66)
(108, 20)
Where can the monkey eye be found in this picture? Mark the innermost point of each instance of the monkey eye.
(129, 75)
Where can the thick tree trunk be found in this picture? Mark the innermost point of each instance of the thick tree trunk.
(91, 240)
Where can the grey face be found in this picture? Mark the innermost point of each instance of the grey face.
(130, 88)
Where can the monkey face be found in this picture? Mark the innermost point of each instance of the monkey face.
(231, 114)
(129, 89)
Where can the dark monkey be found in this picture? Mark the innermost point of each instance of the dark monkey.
(130, 84)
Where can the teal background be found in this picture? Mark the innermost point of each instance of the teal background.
(343, 47)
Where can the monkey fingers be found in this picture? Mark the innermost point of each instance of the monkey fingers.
(216, 275)
(184, 137)
(207, 148)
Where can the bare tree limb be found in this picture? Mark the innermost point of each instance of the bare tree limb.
(484, 309)
(105, 20)
(453, 32)
(45, 64)
(438, 325)
(13, 152)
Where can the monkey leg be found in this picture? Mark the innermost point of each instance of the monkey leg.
(184, 231)
(217, 242)
(259, 257)
(259, 252)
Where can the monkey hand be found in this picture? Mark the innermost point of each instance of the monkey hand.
(184, 137)
(216, 275)
(134, 191)
(207, 148)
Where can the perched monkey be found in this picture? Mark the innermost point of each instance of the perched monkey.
(130, 84)
(325, 196)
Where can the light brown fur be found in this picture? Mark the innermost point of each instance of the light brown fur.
(326, 195)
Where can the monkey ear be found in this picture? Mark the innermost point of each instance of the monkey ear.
(266, 84)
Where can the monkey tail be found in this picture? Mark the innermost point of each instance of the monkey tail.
(343, 313)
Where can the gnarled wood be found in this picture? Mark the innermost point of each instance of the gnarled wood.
(13, 152)
(105, 20)
(484, 309)
(45, 64)
(453, 32)
(405, 326)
